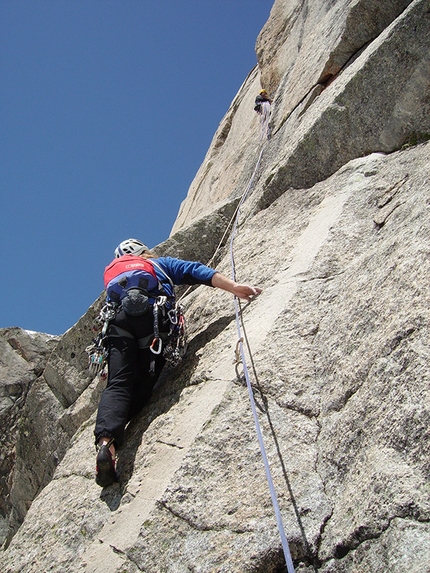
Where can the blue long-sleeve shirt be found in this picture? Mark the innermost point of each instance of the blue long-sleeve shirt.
(184, 272)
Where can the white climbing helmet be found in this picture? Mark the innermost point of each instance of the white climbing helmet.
(130, 247)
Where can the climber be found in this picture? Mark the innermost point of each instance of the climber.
(260, 100)
(262, 106)
(140, 287)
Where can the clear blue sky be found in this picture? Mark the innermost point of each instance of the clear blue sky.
(107, 110)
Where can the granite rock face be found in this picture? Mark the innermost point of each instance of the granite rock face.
(334, 226)
(378, 100)
(23, 358)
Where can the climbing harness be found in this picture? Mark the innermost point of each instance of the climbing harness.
(174, 342)
(240, 350)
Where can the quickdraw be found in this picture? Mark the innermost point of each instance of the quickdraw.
(97, 353)
(176, 348)
(96, 360)
(157, 343)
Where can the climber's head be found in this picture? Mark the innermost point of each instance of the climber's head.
(130, 247)
(263, 92)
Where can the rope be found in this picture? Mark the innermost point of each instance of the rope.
(234, 217)
(286, 549)
(240, 350)
(265, 117)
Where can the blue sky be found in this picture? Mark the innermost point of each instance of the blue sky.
(107, 110)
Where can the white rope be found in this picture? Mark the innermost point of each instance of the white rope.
(265, 117)
(233, 218)
(286, 549)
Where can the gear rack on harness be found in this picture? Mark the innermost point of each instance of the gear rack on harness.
(173, 351)
(97, 352)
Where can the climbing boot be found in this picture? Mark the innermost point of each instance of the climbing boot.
(105, 466)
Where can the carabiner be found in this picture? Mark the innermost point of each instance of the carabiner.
(173, 316)
(160, 345)
(161, 300)
(237, 357)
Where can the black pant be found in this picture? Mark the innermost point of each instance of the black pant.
(132, 374)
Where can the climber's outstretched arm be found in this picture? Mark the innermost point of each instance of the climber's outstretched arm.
(246, 292)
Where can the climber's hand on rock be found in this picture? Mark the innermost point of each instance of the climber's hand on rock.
(246, 292)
